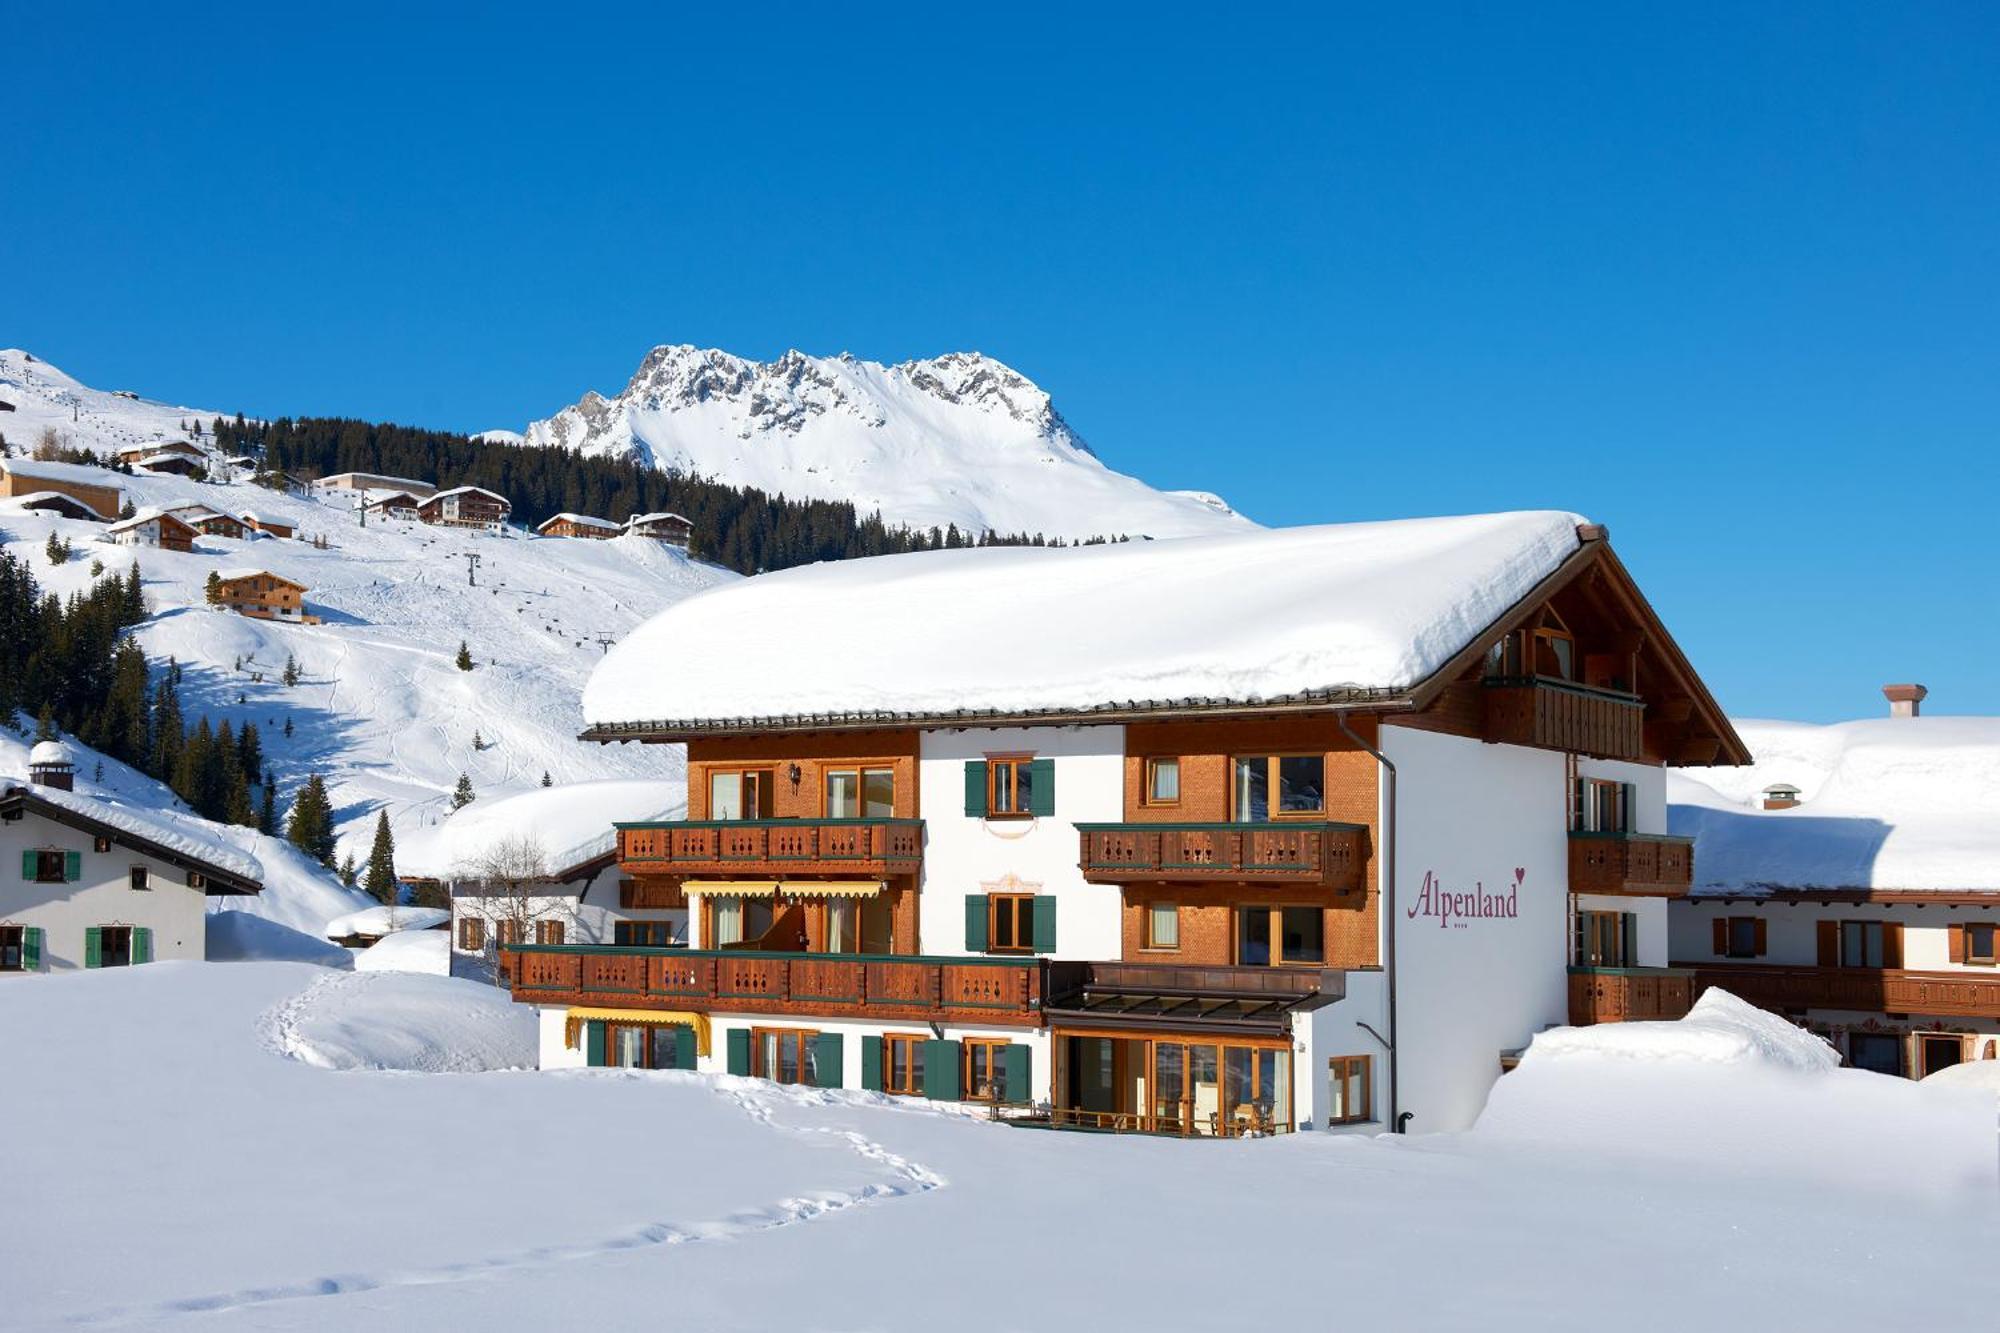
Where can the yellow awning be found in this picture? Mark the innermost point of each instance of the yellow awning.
(577, 1017)
(732, 888)
(831, 888)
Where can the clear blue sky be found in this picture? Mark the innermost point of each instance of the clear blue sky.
(1726, 279)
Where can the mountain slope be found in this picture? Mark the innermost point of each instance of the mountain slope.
(103, 421)
(958, 439)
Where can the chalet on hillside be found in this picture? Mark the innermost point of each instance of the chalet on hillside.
(23, 479)
(208, 522)
(63, 506)
(466, 507)
(392, 504)
(671, 529)
(270, 527)
(578, 525)
(140, 452)
(172, 463)
(262, 595)
(152, 528)
(375, 481)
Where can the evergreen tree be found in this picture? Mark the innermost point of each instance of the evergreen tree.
(267, 809)
(546, 781)
(288, 727)
(96, 567)
(57, 552)
(310, 827)
(291, 672)
(462, 795)
(464, 656)
(250, 751)
(348, 874)
(381, 879)
(134, 596)
(213, 588)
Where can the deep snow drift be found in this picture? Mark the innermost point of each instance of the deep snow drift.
(225, 1183)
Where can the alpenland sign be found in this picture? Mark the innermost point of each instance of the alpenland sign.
(1454, 910)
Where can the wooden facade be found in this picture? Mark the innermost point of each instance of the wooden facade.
(772, 848)
(1288, 853)
(270, 527)
(1874, 990)
(219, 525)
(19, 477)
(161, 530)
(1560, 715)
(1647, 864)
(1629, 994)
(465, 507)
(262, 595)
(578, 525)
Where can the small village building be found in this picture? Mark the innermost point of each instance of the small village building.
(671, 529)
(138, 454)
(151, 528)
(577, 525)
(270, 527)
(466, 507)
(169, 463)
(372, 925)
(375, 481)
(63, 506)
(100, 884)
(392, 504)
(262, 595)
(21, 478)
(220, 525)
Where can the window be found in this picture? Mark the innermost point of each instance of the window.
(114, 946)
(1600, 806)
(1277, 935)
(140, 879)
(1010, 787)
(1350, 1089)
(739, 919)
(842, 919)
(1163, 782)
(1937, 1051)
(641, 1045)
(511, 931)
(1274, 786)
(50, 867)
(472, 934)
(1010, 922)
(1861, 944)
(548, 932)
(1605, 939)
(643, 934)
(783, 1055)
(740, 793)
(985, 1071)
(903, 1064)
(1743, 937)
(1980, 942)
(1555, 654)
(13, 949)
(863, 793)
(1879, 1051)
(1163, 926)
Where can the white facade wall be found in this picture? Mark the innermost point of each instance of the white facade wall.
(964, 855)
(586, 920)
(1650, 811)
(1792, 937)
(1654, 934)
(1473, 819)
(104, 896)
(1337, 1030)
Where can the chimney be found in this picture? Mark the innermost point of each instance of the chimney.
(49, 765)
(1904, 700)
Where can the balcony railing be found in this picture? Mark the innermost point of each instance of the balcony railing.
(1305, 852)
(1868, 990)
(1638, 863)
(1552, 714)
(1629, 994)
(1004, 991)
(772, 848)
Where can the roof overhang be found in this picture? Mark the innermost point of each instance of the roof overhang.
(219, 883)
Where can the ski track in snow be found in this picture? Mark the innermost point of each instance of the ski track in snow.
(278, 1030)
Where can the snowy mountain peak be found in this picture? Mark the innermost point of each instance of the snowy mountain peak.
(960, 438)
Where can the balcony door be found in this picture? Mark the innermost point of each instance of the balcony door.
(740, 793)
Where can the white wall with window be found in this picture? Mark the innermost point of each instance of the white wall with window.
(557, 917)
(73, 901)
(1618, 930)
(1941, 937)
(991, 879)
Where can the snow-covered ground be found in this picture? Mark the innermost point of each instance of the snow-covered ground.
(190, 1172)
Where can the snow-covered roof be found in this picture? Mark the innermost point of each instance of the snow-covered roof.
(385, 921)
(246, 572)
(1887, 804)
(249, 516)
(50, 752)
(377, 476)
(220, 855)
(145, 516)
(162, 458)
(1353, 610)
(661, 517)
(585, 520)
(72, 472)
(191, 511)
(572, 823)
(33, 498)
(469, 490)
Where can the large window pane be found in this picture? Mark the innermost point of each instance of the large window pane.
(725, 796)
(843, 795)
(1253, 936)
(878, 793)
(1301, 783)
(1303, 942)
(728, 921)
(1163, 926)
(840, 916)
(1163, 781)
(1253, 803)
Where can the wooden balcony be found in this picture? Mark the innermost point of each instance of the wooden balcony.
(1646, 864)
(1302, 852)
(1554, 714)
(1868, 990)
(1629, 994)
(1002, 991)
(773, 848)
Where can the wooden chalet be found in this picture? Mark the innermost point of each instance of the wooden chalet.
(1189, 915)
(151, 528)
(270, 527)
(32, 482)
(262, 595)
(392, 504)
(577, 525)
(671, 529)
(466, 507)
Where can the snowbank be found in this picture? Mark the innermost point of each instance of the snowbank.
(1972, 1076)
(380, 920)
(402, 1020)
(1286, 612)
(1720, 1029)
(572, 823)
(237, 937)
(427, 951)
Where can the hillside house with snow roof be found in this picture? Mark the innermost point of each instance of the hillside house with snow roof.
(98, 884)
(140, 454)
(1314, 835)
(208, 522)
(392, 504)
(262, 595)
(466, 507)
(32, 481)
(671, 529)
(1864, 904)
(270, 527)
(577, 525)
(150, 527)
(375, 481)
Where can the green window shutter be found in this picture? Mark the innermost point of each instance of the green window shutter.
(72, 866)
(1631, 941)
(1629, 801)
(739, 1051)
(684, 1054)
(93, 946)
(1045, 923)
(1018, 1061)
(27, 865)
(827, 1052)
(871, 1064)
(31, 948)
(142, 944)
(941, 1067)
(1041, 786)
(593, 1044)
(975, 923)
(975, 791)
